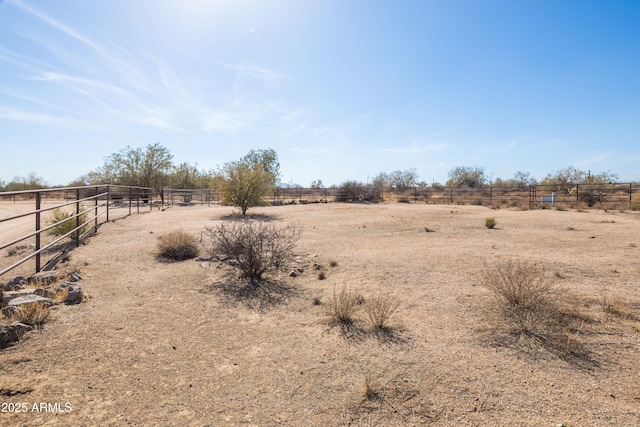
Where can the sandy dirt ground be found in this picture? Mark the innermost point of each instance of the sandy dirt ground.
(160, 343)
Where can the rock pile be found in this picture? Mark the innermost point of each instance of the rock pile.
(41, 288)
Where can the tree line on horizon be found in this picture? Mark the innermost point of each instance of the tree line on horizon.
(245, 181)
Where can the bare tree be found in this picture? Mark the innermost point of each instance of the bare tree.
(255, 246)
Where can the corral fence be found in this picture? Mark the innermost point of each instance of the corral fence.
(52, 221)
(28, 232)
(605, 196)
(185, 197)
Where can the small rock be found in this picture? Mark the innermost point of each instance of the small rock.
(45, 277)
(16, 282)
(75, 294)
(294, 273)
(203, 258)
(16, 293)
(28, 299)
(75, 277)
(12, 332)
(205, 264)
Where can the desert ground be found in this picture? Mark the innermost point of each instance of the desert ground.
(167, 343)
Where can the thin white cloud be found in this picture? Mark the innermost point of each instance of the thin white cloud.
(221, 121)
(270, 78)
(82, 84)
(416, 147)
(13, 114)
(69, 31)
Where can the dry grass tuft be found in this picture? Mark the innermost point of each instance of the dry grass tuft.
(616, 307)
(177, 246)
(531, 315)
(61, 295)
(342, 307)
(380, 309)
(370, 390)
(33, 314)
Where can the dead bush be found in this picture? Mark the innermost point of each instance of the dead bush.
(517, 285)
(255, 247)
(33, 314)
(529, 312)
(177, 246)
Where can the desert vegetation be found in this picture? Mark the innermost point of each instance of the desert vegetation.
(177, 245)
(64, 223)
(535, 324)
(254, 247)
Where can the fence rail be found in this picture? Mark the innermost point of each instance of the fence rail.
(82, 210)
(613, 195)
(29, 224)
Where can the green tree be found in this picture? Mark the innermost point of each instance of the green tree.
(186, 176)
(140, 167)
(31, 182)
(246, 182)
(467, 176)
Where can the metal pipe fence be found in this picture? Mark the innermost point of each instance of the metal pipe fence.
(42, 220)
(29, 225)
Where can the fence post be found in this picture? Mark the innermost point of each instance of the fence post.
(130, 201)
(451, 195)
(77, 234)
(95, 212)
(38, 232)
(490, 195)
(415, 194)
(630, 193)
(108, 194)
(577, 192)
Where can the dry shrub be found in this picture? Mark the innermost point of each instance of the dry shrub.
(380, 309)
(31, 314)
(343, 306)
(530, 313)
(177, 246)
(255, 247)
(490, 222)
(64, 223)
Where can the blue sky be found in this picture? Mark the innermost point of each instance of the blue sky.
(341, 89)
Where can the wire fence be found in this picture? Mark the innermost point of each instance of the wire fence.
(606, 196)
(51, 222)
